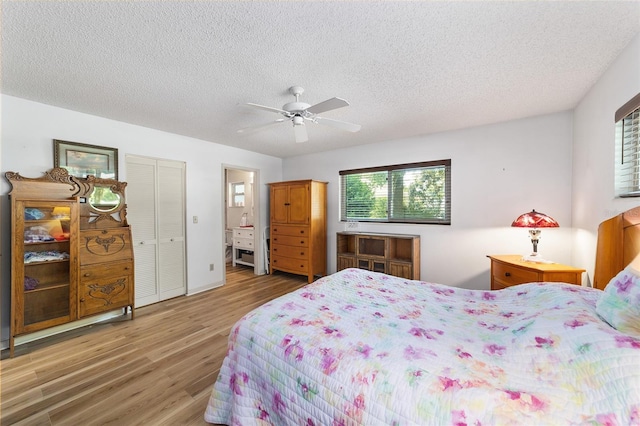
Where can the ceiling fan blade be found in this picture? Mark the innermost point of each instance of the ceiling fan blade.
(342, 125)
(260, 126)
(266, 108)
(328, 105)
(300, 132)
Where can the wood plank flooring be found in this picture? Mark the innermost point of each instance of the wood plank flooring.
(155, 370)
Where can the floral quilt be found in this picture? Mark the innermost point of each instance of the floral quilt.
(362, 348)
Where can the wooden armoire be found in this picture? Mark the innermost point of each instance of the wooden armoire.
(298, 227)
(71, 254)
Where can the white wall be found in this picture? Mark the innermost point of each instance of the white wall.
(593, 161)
(28, 129)
(498, 172)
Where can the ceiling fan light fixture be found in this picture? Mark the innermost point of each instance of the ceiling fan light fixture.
(298, 112)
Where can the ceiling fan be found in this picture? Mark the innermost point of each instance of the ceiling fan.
(299, 112)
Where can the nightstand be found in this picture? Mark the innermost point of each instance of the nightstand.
(509, 269)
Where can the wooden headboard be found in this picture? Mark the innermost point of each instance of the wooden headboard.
(618, 245)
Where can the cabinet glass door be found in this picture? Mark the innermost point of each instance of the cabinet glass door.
(44, 283)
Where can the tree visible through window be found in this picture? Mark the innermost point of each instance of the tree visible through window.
(405, 193)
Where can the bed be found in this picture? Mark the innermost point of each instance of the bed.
(359, 347)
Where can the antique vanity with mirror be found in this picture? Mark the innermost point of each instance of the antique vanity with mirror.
(71, 250)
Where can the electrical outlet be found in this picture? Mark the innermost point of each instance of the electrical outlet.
(195, 219)
(211, 266)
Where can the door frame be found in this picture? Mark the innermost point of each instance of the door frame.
(257, 235)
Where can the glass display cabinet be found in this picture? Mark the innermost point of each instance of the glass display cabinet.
(46, 238)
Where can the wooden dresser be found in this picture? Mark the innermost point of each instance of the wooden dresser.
(298, 227)
(509, 270)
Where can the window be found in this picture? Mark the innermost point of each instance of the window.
(627, 170)
(236, 198)
(403, 193)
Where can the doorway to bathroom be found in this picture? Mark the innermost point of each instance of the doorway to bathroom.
(241, 212)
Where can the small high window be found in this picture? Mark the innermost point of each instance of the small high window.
(236, 196)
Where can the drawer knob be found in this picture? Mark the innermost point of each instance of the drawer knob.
(302, 242)
(87, 274)
(507, 274)
(82, 300)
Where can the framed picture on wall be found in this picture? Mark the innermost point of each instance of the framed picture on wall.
(82, 160)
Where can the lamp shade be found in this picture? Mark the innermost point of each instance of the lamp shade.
(534, 219)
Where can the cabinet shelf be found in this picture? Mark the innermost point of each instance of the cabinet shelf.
(45, 262)
(37, 243)
(46, 288)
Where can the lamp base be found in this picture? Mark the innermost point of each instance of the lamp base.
(536, 258)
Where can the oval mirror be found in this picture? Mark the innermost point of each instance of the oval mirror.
(103, 199)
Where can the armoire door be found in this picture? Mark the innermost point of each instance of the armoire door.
(299, 204)
(155, 205)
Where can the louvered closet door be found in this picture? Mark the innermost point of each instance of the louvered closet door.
(155, 208)
(171, 247)
(141, 214)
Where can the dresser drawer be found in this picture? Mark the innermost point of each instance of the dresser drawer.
(105, 245)
(290, 241)
(105, 287)
(289, 264)
(301, 231)
(289, 251)
(243, 233)
(509, 275)
(92, 272)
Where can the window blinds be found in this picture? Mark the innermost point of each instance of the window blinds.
(627, 170)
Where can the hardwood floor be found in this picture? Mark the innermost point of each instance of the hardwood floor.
(155, 370)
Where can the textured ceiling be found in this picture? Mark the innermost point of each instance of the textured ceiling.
(407, 68)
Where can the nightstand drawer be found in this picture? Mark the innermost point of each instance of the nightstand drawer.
(243, 243)
(511, 275)
(509, 269)
(243, 233)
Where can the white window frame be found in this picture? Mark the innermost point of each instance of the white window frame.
(233, 193)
